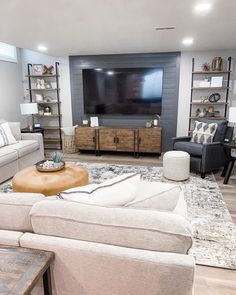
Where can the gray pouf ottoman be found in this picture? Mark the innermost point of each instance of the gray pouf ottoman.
(176, 165)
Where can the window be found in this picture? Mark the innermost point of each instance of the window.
(8, 52)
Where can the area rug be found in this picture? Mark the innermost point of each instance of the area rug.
(214, 231)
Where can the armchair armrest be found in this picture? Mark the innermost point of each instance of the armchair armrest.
(35, 136)
(213, 156)
(181, 138)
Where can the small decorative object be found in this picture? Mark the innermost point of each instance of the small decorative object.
(41, 109)
(42, 82)
(94, 122)
(38, 84)
(48, 85)
(203, 113)
(198, 111)
(47, 70)
(217, 64)
(205, 83)
(37, 69)
(216, 81)
(38, 97)
(156, 120)
(48, 99)
(204, 99)
(55, 164)
(85, 123)
(210, 111)
(214, 97)
(148, 124)
(206, 67)
(47, 111)
(57, 157)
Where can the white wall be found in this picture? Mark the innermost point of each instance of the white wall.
(185, 82)
(11, 89)
(33, 57)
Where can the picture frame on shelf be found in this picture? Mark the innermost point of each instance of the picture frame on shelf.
(217, 81)
(37, 69)
(94, 122)
(39, 97)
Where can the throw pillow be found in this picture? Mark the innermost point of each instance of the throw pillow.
(113, 192)
(203, 132)
(156, 196)
(6, 136)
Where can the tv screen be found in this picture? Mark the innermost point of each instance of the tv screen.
(128, 91)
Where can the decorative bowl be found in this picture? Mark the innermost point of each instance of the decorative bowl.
(49, 166)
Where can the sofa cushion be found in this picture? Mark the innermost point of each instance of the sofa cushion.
(25, 147)
(156, 196)
(6, 136)
(126, 227)
(15, 129)
(194, 149)
(7, 155)
(113, 192)
(221, 128)
(14, 210)
(10, 238)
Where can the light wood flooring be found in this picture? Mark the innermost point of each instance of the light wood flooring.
(208, 280)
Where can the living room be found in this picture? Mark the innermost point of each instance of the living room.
(117, 147)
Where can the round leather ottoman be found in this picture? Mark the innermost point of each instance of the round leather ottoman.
(49, 183)
(176, 165)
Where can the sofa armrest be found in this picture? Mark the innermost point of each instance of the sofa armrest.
(35, 136)
(181, 138)
(125, 227)
(213, 156)
(106, 269)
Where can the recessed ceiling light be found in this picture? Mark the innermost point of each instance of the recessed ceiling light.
(164, 28)
(187, 41)
(42, 48)
(110, 73)
(203, 7)
(98, 69)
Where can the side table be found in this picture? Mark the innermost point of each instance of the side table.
(34, 130)
(230, 151)
(21, 268)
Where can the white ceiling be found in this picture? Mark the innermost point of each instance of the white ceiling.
(71, 27)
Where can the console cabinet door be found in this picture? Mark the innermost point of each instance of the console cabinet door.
(85, 138)
(107, 139)
(149, 140)
(125, 140)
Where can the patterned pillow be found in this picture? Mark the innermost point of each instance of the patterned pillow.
(203, 132)
(6, 136)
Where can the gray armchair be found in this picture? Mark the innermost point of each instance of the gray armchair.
(209, 156)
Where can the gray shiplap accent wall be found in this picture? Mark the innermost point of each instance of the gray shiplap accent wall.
(169, 61)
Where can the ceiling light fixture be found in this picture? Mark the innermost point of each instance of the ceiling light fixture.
(42, 48)
(203, 7)
(164, 28)
(98, 69)
(110, 73)
(187, 41)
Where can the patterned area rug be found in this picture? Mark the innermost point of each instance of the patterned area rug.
(214, 231)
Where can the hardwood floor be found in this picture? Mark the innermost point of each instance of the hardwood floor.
(208, 280)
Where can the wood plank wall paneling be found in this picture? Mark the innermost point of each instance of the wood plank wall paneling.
(169, 61)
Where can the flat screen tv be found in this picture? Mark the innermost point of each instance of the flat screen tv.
(128, 91)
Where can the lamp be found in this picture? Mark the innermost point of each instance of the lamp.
(29, 109)
(232, 116)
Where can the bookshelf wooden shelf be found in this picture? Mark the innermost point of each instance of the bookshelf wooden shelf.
(222, 105)
(50, 123)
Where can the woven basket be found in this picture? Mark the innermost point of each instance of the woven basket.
(68, 144)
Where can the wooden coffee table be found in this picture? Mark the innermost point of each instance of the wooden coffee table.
(49, 183)
(21, 269)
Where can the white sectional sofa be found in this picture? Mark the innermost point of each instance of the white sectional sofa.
(27, 151)
(104, 250)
